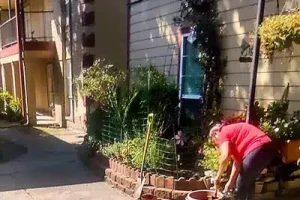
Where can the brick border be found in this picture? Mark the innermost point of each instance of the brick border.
(124, 178)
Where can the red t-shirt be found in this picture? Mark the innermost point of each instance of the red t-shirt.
(243, 138)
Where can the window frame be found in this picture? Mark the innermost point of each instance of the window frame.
(181, 95)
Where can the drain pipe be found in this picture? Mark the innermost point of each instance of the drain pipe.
(20, 42)
(72, 102)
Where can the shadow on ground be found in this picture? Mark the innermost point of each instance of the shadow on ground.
(51, 159)
(10, 151)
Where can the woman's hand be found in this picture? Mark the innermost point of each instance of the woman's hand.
(229, 185)
(217, 183)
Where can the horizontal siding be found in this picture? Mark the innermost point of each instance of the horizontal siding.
(165, 10)
(278, 65)
(233, 54)
(154, 36)
(246, 13)
(158, 31)
(267, 79)
(273, 75)
(236, 104)
(148, 5)
(262, 92)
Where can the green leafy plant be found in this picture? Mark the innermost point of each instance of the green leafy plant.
(276, 110)
(156, 95)
(211, 156)
(131, 152)
(101, 81)
(287, 129)
(13, 110)
(10, 107)
(278, 32)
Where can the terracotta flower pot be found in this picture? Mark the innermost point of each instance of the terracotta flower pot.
(204, 195)
(291, 151)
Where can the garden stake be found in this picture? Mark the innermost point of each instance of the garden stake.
(176, 156)
(141, 181)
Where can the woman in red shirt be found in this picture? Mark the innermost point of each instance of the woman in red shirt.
(250, 150)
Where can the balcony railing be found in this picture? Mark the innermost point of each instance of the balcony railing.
(8, 32)
(38, 25)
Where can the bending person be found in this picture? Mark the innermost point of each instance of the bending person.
(251, 151)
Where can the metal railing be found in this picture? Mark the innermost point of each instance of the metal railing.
(8, 32)
(38, 25)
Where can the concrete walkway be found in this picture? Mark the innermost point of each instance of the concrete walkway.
(50, 170)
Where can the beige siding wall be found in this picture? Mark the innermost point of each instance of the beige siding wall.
(153, 35)
(153, 39)
(239, 19)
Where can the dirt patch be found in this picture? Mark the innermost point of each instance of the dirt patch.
(10, 151)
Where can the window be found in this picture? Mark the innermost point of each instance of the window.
(191, 74)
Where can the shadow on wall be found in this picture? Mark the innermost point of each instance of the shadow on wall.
(239, 18)
(49, 162)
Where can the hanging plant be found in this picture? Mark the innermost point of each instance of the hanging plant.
(203, 16)
(278, 32)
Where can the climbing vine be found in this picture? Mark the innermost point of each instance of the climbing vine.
(203, 16)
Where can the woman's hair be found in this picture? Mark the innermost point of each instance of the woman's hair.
(215, 128)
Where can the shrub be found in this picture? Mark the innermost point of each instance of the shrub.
(156, 95)
(276, 110)
(211, 156)
(10, 107)
(13, 110)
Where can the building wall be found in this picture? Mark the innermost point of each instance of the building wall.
(111, 31)
(239, 19)
(153, 35)
(153, 39)
(41, 85)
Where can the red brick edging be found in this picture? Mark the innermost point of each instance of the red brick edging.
(124, 178)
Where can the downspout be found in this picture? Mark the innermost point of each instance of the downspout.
(20, 43)
(255, 62)
(72, 102)
(128, 40)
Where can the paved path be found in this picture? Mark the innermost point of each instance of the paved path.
(50, 170)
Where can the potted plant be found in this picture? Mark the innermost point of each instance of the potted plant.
(289, 132)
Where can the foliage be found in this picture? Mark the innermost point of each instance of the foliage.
(100, 81)
(93, 145)
(276, 110)
(258, 115)
(10, 107)
(156, 95)
(103, 83)
(211, 156)
(203, 15)
(279, 31)
(287, 129)
(131, 152)
(13, 110)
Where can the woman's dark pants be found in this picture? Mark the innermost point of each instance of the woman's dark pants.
(252, 166)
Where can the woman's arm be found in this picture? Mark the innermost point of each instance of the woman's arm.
(234, 174)
(224, 158)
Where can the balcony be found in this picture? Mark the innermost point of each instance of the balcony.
(8, 33)
(37, 34)
(38, 26)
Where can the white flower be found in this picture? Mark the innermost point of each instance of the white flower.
(276, 130)
(179, 138)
